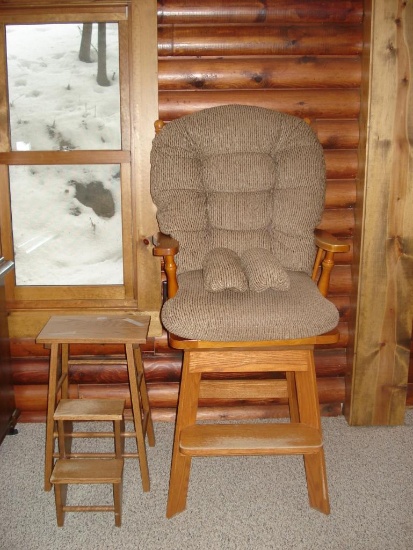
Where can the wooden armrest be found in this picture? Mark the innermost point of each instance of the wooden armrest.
(327, 246)
(165, 245)
(329, 243)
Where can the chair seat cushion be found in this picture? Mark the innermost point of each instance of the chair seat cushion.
(299, 312)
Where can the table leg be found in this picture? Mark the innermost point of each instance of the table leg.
(51, 404)
(144, 396)
(137, 416)
(65, 371)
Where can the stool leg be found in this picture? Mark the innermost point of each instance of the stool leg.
(186, 416)
(117, 501)
(137, 417)
(118, 428)
(309, 407)
(64, 431)
(144, 395)
(60, 492)
(51, 404)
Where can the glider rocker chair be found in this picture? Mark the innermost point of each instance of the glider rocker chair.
(241, 189)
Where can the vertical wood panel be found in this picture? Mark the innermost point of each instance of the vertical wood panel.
(144, 111)
(384, 302)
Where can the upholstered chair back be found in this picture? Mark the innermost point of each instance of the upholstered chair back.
(241, 178)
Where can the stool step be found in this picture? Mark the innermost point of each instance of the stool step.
(249, 439)
(83, 470)
(89, 409)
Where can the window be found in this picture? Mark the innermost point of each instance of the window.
(65, 160)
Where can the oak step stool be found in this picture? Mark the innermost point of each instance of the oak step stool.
(87, 471)
(61, 333)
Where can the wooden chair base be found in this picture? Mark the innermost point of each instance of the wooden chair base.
(301, 436)
(87, 471)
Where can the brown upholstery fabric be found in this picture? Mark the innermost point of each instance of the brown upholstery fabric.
(222, 270)
(240, 177)
(224, 316)
(263, 270)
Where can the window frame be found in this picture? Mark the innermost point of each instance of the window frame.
(85, 295)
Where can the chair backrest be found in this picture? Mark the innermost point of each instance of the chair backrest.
(239, 177)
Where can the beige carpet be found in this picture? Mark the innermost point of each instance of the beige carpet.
(233, 504)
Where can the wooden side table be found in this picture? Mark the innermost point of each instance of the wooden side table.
(63, 330)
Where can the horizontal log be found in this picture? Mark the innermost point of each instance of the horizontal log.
(340, 281)
(256, 73)
(342, 303)
(157, 370)
(297, 39)
(339, 221)
(34, 398)
(341, 164)
(210, 413)
(340, 193)
(251, 11)
(337, 134)
(310, 104)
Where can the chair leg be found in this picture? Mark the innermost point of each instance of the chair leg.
(186, 416)
(315, 469)
(60, 492)
(309, 411)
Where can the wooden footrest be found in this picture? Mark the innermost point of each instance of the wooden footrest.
(89, 409)
(87, 471)
(249, 439)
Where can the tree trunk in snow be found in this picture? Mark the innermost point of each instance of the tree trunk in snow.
(102, 78)
(85, 43)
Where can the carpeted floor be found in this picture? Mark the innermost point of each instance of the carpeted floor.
(235, 503)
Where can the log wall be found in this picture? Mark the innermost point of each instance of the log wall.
(300, 57)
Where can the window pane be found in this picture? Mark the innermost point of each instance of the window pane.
(67, 224)
(63, 96)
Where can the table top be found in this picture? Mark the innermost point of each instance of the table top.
(95, 329)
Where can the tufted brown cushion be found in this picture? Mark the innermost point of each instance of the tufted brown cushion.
(198, 314)
(263, 270)
(239, 177)
(222, 270)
